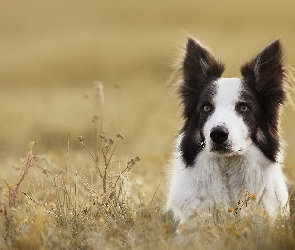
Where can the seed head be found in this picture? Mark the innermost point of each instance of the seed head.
(120, 136)
(246, 193)
(95, 119)
(118, 85)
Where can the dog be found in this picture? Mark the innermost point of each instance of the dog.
(230, 142)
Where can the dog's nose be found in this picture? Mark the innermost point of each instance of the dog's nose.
(219, 134)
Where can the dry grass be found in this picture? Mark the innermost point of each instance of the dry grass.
(102, 207)
(60, 195)
(96, 202)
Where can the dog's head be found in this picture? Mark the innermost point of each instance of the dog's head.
(224, 116)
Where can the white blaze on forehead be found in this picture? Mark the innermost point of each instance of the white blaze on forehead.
(228, 91)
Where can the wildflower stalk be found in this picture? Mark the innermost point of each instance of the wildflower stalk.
(98, 118)
(81, 138)
(30, 162)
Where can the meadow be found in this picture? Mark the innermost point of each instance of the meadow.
(88, 122)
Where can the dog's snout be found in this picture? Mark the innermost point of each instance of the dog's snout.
(219, 134)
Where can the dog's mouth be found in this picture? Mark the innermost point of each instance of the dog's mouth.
(224, 146)
(224, 149)
(221, 151)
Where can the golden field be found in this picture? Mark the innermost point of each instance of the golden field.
(52, 56)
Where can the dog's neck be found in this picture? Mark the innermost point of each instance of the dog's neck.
(232, 164)
(228, 164)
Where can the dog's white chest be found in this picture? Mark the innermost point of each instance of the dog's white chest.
(220, 183)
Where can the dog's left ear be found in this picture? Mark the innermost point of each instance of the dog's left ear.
(265, 73)
(266, 67)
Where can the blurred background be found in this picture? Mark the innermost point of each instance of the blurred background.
(52, 52)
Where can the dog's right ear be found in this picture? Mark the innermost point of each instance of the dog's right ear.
(199, 67)
(199, 64)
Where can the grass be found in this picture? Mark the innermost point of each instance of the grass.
(101, 205)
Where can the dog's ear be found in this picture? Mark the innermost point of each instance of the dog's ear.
(199, 64)
(266, 67)
(199, 67)
(265, 73)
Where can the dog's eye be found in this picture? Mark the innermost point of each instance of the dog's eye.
(244, 108)
(207, 108)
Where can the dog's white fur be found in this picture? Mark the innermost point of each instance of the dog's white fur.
(220, 181)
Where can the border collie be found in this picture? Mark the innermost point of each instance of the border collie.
(230, 140)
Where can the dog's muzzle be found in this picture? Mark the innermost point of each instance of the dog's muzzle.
(219, 134)
(219, 140)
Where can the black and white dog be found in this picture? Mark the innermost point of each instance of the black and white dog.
(230, 140)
